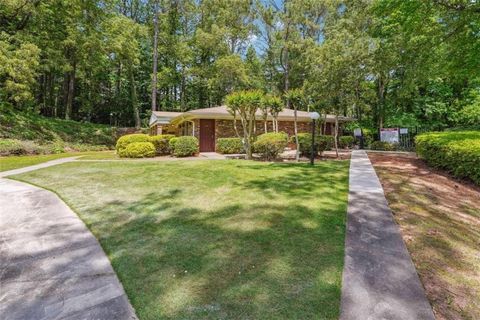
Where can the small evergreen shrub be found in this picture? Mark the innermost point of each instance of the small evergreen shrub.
(184, 146)
(138, 150)
(11, 147)
(270, 145)
(162, 143)
(125, 140)
(325, 142)
(346, 142)
(456, 151)
(230, 145)
(322, 143)
(382, 145)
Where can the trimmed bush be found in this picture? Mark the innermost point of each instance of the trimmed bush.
(230, 145)
(346, 142)
(270, 145)
(184, 146)
(138, 150)
(382, 145)
(125, 140)
(161, 143)
(322, 143)
(325, 142)
(458, 152)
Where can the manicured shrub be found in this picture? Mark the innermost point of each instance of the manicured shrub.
(162, 143)
(230, 145)
(125, 140)
(457, 152)
(346, 142)
(322, 143)
(137, 150)
(270, 145)
(184, 146)
(325, 142)
(382, 145)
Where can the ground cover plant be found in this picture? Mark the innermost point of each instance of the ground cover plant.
(25, 125)
(439, 218)
(215, 239)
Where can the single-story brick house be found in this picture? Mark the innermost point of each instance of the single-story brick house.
(212, 123)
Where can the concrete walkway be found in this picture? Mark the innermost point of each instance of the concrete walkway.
(51, 266)
(379, 278)
(36, 166)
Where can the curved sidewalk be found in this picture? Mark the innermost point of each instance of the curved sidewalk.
(51, 266)
(379, 278)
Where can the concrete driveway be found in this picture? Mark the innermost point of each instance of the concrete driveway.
(51, 266)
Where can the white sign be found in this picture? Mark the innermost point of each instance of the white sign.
(357, 132)
(389, 135)
(403, 130)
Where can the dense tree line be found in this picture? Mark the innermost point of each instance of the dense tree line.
(387, 62)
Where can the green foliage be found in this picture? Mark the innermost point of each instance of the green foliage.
(162, 143)
(346, 142)
(229, 145)
(457, 152)
(244, 105)
(322, 143)
(11, 147)
(184, 146)
(137, 150)
(24, 125)
(18, 68)
(270, 145)
(125, 140)
(382, 145)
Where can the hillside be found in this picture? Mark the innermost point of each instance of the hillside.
(22, 125)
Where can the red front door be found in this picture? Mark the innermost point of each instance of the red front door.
(207, 135)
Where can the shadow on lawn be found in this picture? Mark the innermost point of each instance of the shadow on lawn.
(239, 261)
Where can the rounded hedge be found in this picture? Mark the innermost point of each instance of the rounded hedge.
(322, 143)
(346, 142)
(230, 145)
(457, 152)
(270, 145)
(138, 150)
(382, 145)
(184, 146)
(162, 143)
(125, 140)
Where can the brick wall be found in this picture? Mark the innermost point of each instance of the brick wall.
(224, 128)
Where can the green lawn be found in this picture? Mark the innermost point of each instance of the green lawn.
(15, 162)
(215, 239)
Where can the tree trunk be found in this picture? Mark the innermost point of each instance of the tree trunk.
(381, 101)
(295, 129)
(70, 92)
(336, 134)
(133, 93)
(182, 91)
(155, 58)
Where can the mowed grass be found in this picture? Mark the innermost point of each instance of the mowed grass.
(215, 239)
(15, 162)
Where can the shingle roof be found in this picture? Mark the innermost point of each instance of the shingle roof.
(222, 112)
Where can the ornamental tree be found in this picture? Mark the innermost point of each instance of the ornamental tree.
(244, 104)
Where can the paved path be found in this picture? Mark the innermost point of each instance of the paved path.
(51, 266)
(379, 278)
(36, 166)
